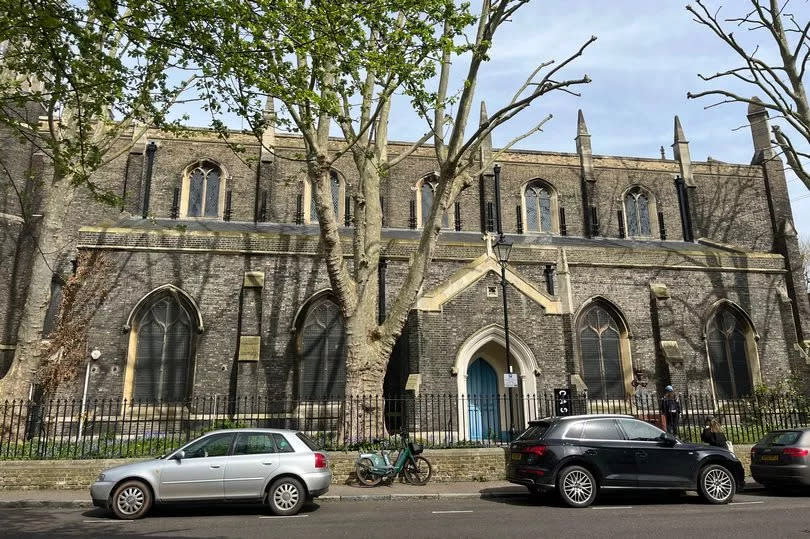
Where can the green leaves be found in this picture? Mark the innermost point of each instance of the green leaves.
(76, 75)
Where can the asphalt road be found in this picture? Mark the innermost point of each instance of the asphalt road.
(758, 514)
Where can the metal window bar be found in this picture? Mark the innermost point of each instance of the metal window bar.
(228, 205)
(662, 230)
(563, 226)
(299, 209)
(175, 211)
(594, 222)
(519, 215)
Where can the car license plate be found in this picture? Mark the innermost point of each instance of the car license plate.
(516, 456)
(769, 458)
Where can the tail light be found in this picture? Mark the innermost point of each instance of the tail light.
(321, 461)
(795, 452)
(538, 450)
(753, 451)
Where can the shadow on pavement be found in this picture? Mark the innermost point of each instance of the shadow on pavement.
(605, 499)
(202, 510)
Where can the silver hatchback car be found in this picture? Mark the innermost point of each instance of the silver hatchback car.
(279, 467)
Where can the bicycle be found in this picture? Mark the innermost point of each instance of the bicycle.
(373, 468)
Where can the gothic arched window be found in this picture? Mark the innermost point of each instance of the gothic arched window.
(729, 337)
(639, 205)
(600, 344)
(203, 190)
(337, 190)
(163, 334)
(540, 207)
(322, 370)
(426, 191)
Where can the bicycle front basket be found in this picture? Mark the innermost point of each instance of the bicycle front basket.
(416, 448)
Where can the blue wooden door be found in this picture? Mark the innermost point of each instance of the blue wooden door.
(484, 410)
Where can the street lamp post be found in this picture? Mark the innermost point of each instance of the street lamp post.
(503, 248)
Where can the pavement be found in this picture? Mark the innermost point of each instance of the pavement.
(337, 493)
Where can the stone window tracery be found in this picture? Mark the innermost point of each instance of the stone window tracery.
(601, 350)
(540, 207)
(639, 208)
(322, 368)
(730, 340)
(203, 191)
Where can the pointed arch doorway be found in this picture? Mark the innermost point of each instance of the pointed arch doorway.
(480, 359)
(483, 400)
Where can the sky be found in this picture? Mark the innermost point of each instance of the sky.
(646, 58)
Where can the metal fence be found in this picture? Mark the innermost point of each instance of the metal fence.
(113, 428)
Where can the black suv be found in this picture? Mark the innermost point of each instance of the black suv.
(581, 455)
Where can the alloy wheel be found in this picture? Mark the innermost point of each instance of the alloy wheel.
(578, 486)
(286, 496)
(718, 484)
(130, 500)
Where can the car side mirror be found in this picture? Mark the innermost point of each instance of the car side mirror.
(668, 439)
(180, 455)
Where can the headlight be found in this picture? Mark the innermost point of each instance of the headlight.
(100, 477)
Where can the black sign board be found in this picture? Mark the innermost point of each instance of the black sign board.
(562, 402)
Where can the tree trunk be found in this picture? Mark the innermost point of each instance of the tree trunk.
(366, 363)
(57, 195)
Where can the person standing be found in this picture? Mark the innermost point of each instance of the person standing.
(713, 434)
(671, 410)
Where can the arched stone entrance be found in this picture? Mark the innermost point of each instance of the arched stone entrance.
(482, 355)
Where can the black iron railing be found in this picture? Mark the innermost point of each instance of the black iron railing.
(114, 428)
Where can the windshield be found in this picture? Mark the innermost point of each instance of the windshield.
(307, 441)
(535, 431)
(781, 438)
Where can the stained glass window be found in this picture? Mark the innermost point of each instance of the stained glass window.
(323, 363)
(427, 200)
(637, 211)
(538, 202)
(204, 186)
(334, 185)
(163, 352)
(600, 345)
(728, 354)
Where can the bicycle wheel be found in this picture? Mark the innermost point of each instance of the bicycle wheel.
(419, 471)
(364, 475)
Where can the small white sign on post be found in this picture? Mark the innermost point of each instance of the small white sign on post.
(510, 379)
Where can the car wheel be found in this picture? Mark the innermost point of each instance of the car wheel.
(130, 500)
(286, 496)
(716, 484)
(577, 486)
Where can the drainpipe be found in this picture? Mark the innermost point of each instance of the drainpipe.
(151, 148)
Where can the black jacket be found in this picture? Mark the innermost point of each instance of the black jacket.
(670, 406)
(717, 439)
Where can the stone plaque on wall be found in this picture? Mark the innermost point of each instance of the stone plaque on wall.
(249, 347)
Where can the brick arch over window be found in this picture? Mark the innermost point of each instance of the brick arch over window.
(337, 186)
(603, 337)
(731, 350)
(640, 212)
(163, 327)
(540, 207)
(321, 348)
(203, 190)
(425, 194)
